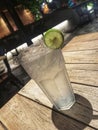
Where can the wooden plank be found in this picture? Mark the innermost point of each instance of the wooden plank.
(87, 57)
(83, 113)
(86, 37)
(88, 93)
(84, 104)
(87, 77)
(80, 45)
(93, 67)
(87, 96)
(23, 114)
(83, 73)
(32, 91)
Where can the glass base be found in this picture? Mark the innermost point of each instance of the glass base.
(67, 107)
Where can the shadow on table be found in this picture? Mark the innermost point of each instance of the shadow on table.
(71, 119)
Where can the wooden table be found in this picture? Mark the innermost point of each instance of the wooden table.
(31, 110)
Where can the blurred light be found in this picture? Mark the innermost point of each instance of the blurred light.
(44, 8)
(4, 31)
(90, 7)
(10, 19)
(49, 1)
(25, 15)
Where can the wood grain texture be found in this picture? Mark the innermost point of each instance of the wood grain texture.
(81, 46)
(86, 67)
(87, 97)
(87, 77)
(83, 73)
(85, 37)
(89, 93)
(32, 91)
(87, 57)
(83, 109)
(25, 114)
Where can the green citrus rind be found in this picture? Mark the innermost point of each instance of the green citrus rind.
(54, 39)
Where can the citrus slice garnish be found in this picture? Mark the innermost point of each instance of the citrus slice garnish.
(54, 39)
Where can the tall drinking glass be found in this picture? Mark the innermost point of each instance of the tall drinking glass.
(47, 67)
